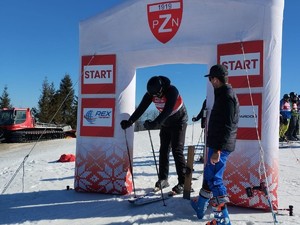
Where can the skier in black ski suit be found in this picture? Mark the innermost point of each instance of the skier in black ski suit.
(172, 121)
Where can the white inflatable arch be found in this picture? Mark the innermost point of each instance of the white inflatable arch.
(244, 35)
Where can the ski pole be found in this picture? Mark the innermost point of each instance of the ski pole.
(193, 134)
(263, 188)
(130, 165)
(162, 195)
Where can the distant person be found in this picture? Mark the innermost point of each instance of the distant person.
(201, 115)
(286, 113)
(221, 139)
(173, 122)
(291, 133)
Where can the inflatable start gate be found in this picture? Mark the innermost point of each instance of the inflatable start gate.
(243, 35)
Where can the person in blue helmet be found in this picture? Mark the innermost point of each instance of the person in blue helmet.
(172, 121)
(221, 139)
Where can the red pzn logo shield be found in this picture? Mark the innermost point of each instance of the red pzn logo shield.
(164, 19)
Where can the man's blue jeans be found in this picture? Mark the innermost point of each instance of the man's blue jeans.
(213, 174)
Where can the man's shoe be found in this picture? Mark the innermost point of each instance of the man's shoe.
(178, 189)
(281, 139)
(295, 138)
(290, 138)
(161, 184)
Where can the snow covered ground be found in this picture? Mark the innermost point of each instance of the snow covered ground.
(38, 193)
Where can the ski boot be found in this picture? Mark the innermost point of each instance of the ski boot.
(201, 203)
(178, 189)
(220, 214)
(161, 184)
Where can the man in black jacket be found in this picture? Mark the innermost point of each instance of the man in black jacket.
(221, 139)
(173, 122)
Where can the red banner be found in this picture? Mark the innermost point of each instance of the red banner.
(98, 74)
(244, 61)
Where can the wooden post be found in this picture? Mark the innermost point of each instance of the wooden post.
(189, 173)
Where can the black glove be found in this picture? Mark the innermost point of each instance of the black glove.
(125, 124)
(194, 119)
(150, 125)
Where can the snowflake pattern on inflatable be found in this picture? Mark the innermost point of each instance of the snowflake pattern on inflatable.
(243, 172)
(103, 169)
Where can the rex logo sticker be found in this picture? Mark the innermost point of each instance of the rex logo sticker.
(164, 19)
(97, 117)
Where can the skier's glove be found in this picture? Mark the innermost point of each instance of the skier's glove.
(194, 119)
(150, 125)
(125, 124)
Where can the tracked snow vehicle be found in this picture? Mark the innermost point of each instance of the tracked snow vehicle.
(19, 125)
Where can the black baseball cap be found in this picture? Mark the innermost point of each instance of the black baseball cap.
(217, 71)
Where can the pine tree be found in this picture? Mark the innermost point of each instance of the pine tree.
(68, 109)
(47, 102)
(4, 99)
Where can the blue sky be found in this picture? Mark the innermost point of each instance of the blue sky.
(40, 39)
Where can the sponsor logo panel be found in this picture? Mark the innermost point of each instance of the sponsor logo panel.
(247, 116)
(250, 116)
(98, 74)
(97, 117)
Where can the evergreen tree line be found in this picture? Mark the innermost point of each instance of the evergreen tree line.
(60, 105)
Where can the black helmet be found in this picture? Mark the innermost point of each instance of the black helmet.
(286, 96)
(292, 94)
(155, 86)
